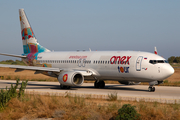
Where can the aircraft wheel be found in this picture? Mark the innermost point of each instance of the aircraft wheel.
(101, 84)
(68, 87)
(96, 84)
(151, 89)
(64, 87)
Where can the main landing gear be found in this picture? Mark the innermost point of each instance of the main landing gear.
(65, 87)
(99, 84)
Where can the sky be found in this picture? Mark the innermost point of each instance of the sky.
(102, 25)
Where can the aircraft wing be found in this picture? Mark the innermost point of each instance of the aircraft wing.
(34, 68)
(20, 56)
(41, 69)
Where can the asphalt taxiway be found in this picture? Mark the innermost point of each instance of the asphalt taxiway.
(162, 94)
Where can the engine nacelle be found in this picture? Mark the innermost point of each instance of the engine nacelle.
(71, 78)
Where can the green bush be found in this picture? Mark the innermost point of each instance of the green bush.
(127, 112)
(174, 59)
(8, 94)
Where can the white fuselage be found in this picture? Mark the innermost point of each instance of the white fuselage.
(110, 65)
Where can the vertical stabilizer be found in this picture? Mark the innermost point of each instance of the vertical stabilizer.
(155, 50)
(30, 44)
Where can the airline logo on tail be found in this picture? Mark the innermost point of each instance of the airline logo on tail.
(27, 33)
(30, 44)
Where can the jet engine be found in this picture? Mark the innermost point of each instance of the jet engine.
(71, 78)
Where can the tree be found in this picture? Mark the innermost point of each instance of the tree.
(171, 59)
(177, 60)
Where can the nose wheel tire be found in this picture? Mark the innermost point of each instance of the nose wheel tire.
(99, 84)
(151, 89)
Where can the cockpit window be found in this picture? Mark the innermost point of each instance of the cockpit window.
(157, 61)
(160, 61)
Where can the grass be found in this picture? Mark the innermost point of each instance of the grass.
(12, 62)
(15, 77)
(112, 96)
(175, 64)
(46, 106)
(34, 106)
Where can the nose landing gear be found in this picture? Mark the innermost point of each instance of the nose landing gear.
(151, 84)
(151, 89)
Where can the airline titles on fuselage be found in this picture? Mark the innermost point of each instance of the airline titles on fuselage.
(77, 57)
(123, 69)
(120, 60)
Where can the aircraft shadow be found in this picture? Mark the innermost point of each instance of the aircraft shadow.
(57, 87)
(110, 87)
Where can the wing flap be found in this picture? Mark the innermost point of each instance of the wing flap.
(34, 68)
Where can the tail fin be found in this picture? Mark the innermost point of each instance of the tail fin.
(30, 44)
(155, 50)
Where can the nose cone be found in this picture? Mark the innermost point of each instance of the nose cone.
(169, 71)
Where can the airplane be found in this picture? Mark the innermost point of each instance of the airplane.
(72, 68)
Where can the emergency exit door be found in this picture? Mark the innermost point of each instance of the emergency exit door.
(138, 63)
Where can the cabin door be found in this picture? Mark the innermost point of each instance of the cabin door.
(138, 63)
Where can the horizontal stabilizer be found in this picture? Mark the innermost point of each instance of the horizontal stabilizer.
(19, 56)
